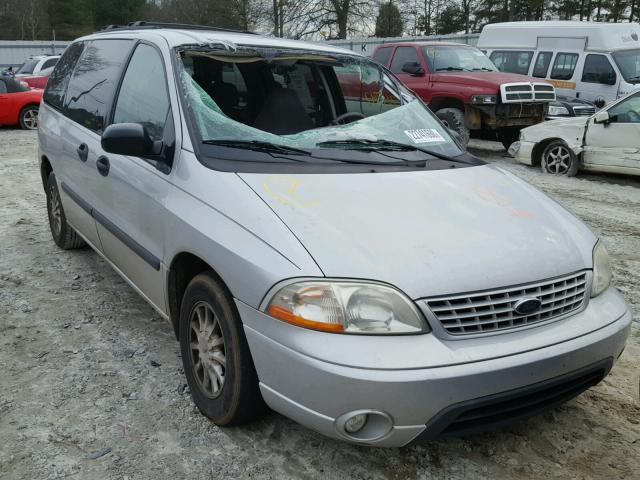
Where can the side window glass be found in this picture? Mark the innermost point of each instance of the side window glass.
(514, 62)
(3, 87)
(564, 66)
(49, 63)
(142, 101)
(627, 111)
(382, 55)
(59, 79)
(541, 66)
(94, 81)
(597, 69)
(403, 55)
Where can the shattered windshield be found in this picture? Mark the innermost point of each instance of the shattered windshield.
(302, 99)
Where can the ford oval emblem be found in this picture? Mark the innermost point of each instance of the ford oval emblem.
(527, 305)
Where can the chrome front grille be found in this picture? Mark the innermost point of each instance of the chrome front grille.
(493, 310)
(584, 111)
(522, 92)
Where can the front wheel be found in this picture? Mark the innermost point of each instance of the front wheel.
(29, 117)
(215, 355)
(559, 159)
(453, 119)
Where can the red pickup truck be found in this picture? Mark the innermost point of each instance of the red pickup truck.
(466, 90)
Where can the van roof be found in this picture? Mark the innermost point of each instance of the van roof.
(597, 36)
(178, 34)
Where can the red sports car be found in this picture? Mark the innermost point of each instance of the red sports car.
(18, 103)
(39, 80)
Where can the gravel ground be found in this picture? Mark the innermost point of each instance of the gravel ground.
(91, 384)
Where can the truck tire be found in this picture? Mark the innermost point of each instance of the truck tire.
(453, 118)
(507, 136)
(559, 159)
(63, 234)
(215, 355)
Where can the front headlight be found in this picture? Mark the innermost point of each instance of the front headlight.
(556, 111)
(347, 307)
(483, 99)
(601, 270)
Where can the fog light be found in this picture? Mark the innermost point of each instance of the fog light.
(355, 423)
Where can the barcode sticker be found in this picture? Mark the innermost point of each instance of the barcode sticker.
(424, 135)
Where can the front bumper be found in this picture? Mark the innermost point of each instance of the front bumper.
(301, 379)
(522, 151)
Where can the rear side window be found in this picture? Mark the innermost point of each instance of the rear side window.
(597, 69)
(512, 61)
(564, 66)
(382, 55)
(541, 66)
(139, 100)
(49, 63)
(94, 81)
(59, 79)
(403, 55)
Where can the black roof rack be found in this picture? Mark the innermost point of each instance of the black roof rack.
(141, 24)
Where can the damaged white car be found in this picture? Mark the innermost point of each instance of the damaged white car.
(608, 141)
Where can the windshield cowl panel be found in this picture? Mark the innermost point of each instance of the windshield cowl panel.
(282, 107)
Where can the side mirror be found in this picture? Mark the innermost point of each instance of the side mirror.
(413, 68)
(601, 117)
(129, 139)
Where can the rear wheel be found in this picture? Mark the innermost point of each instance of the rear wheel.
(559, 159)
(29, 117)
(215, 355)
(63, 234)
(453, 119)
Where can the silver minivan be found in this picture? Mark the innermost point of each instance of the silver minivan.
(317, 239)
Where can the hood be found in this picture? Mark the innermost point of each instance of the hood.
(429, 232)
(483, 79)
(570, 129)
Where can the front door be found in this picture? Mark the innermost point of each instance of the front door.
(615, 145)
(131, 217)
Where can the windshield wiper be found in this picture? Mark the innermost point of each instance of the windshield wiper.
(258, 146)
(383, 144)
(483, 69)
(450, 69)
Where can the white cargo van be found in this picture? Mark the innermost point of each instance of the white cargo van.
(598, 62)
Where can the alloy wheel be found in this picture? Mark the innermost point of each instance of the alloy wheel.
(30, 119)
(207, 347)
(55, 211)
(558, 160)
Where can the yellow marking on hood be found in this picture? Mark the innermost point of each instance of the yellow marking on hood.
(285, 190)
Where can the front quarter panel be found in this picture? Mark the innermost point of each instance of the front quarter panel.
(570, 130)
(219, 218)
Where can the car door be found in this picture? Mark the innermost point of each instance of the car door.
(615, 145)
(130, 220)
(415, 82)
(5, 103)
(597, 80)
(86, 106)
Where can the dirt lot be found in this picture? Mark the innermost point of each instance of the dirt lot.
(91, 383)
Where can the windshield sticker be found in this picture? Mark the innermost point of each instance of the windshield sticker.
(424, 135)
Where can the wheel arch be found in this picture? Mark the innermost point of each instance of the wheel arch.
(446, 102)
(183, 268)
(45, 170)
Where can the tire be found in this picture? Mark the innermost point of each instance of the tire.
(559, 159)
(63, 234)
(229, 394)
(453, 119)
(506, 136)
(29, 117)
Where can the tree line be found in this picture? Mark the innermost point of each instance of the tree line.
(312, 19)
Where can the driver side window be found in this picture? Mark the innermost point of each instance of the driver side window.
(627, 111)
(140, 100)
